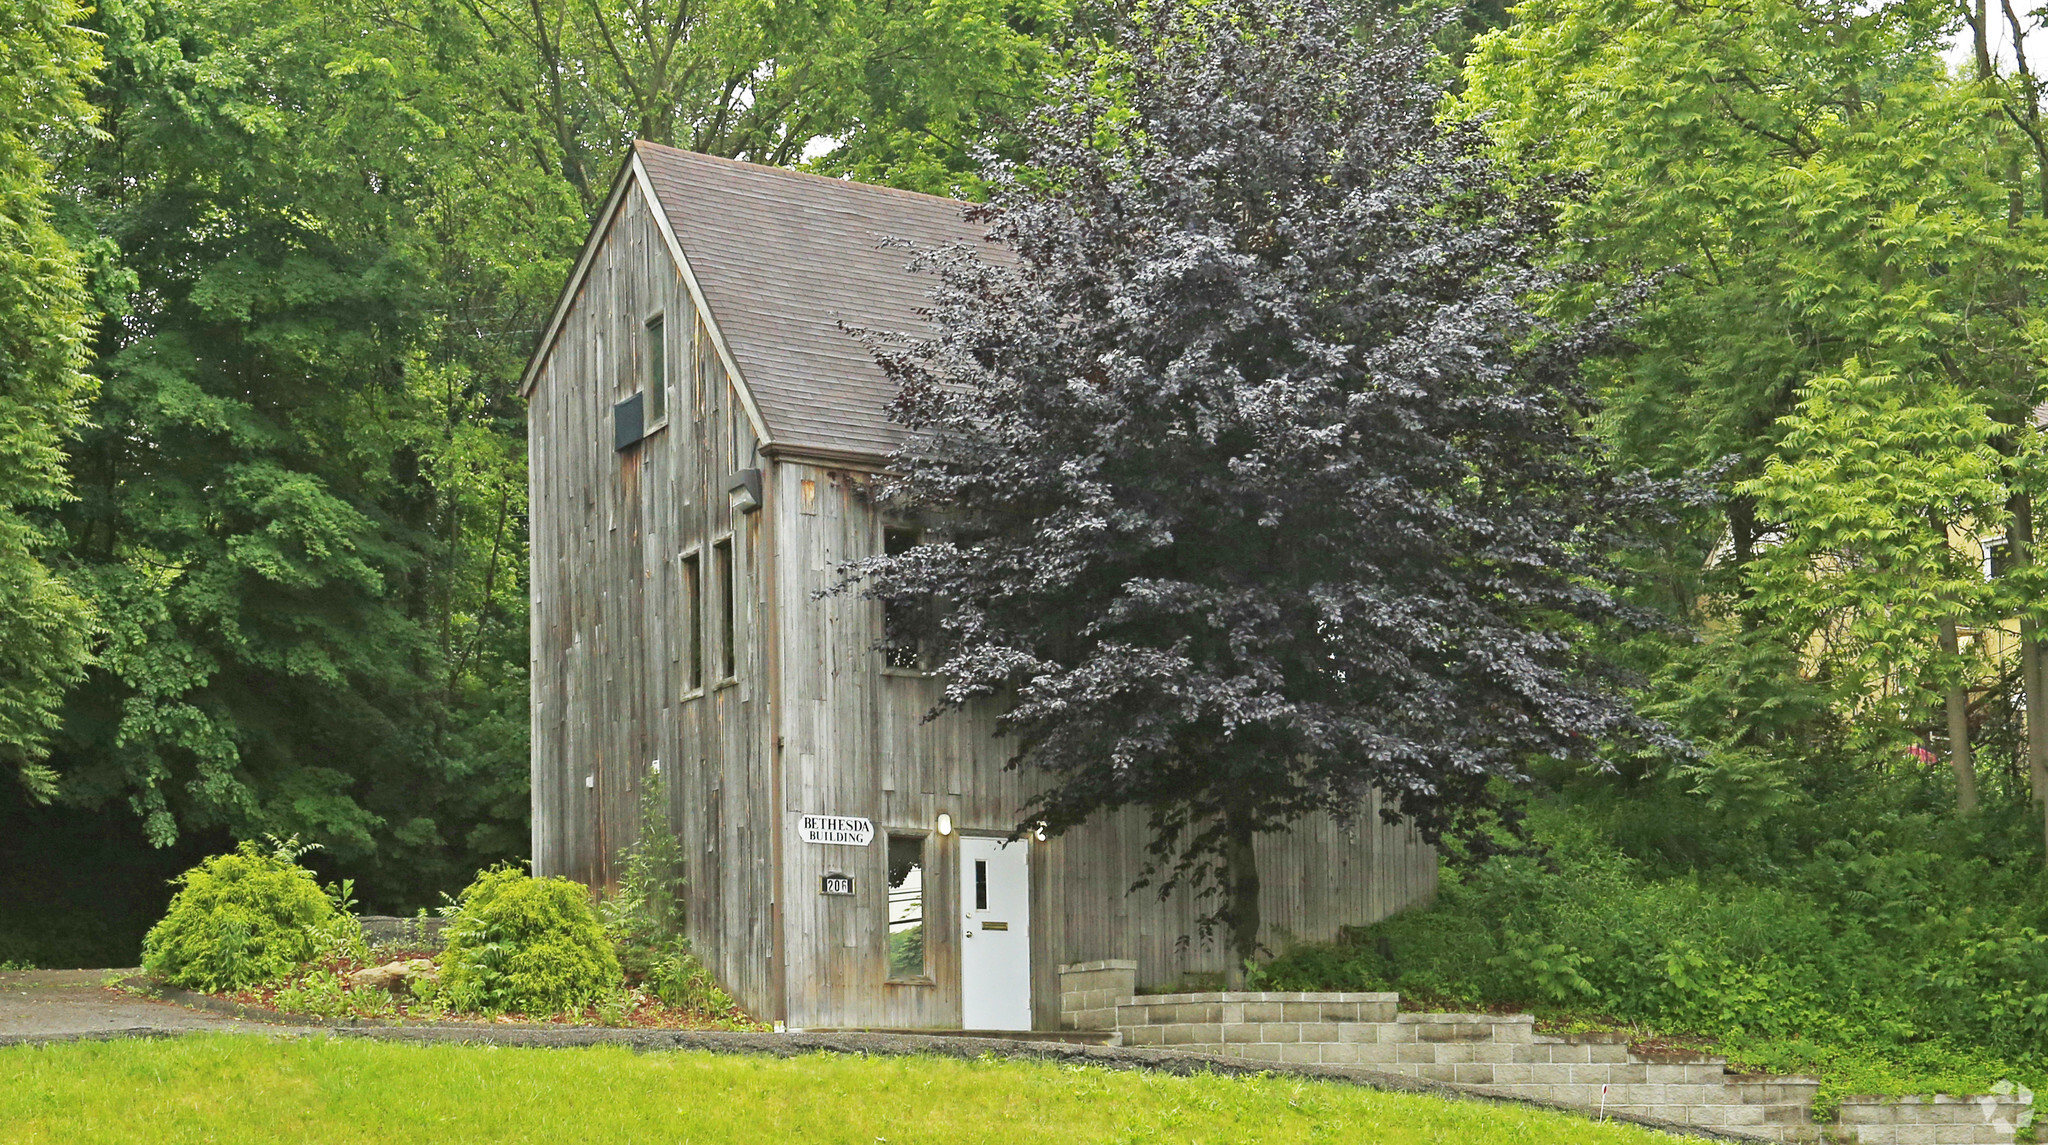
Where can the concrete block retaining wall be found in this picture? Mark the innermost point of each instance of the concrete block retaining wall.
(1938, 1120)
(427, 933)
(1089, 992)
(1504, 1053)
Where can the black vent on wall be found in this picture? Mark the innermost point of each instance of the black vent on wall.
(629, 421)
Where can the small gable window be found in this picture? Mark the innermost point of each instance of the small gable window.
(700, 365)
(656, 381)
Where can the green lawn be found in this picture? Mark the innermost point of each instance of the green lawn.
(224, 1089)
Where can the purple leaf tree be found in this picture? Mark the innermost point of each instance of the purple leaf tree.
(1253, 482)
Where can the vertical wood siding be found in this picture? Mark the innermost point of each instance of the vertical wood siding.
(857, 743)
(609, 632)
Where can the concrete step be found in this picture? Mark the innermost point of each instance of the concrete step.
(1070, 1037)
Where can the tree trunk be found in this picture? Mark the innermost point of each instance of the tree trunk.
(1241, 904)
(1959, 728)
(1980, 39)
(2020, 547)
(2035, 681)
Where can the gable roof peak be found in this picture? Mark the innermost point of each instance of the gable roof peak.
(645, 148)
(782, 265)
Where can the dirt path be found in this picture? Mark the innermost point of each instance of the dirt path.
(37, 1005)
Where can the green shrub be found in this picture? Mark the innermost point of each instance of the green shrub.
(679, 980)
(246, 918)
(644, 913)
(320, 993)
(644, 916)
(526, 945)
(1889, 956)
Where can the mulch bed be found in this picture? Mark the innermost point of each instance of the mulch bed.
(374, 1005)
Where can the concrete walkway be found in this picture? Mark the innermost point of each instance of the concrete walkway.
(42, 1005)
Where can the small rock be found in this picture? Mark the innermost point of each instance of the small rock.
(396, 978)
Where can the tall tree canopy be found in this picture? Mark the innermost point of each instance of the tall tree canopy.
(1849, 334)
(273, 497)
(46, 60)
(1267, 490)
(892, 93)
(326, 235)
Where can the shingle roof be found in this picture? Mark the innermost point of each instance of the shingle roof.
(783, 259)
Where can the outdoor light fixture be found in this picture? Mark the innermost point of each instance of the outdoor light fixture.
(654, 768)
(745, 490)
(945, 823)
(1038, 832)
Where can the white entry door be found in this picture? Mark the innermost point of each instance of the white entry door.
(995, 948)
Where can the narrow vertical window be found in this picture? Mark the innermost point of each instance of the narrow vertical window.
(906, 906)
(901, 616)
(728, 607)
(656, 357)
(981, 884)
(693, 623)
(700, 354)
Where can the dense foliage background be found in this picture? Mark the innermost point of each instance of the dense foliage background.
(269, 271)
(48, 62)
(296, 254)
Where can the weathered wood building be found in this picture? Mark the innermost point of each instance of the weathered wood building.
(702, 432)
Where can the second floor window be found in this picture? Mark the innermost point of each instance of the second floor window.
(693, 623)
(902, 618)
(1995, 558)
(728, 608)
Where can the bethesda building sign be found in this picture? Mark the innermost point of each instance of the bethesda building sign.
(843, 830)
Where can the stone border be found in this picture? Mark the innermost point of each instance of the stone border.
(123, 1034)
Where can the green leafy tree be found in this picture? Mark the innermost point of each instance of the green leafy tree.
(298, 508)
(894, 93)
(1837, 214)
(46, 60)
(1882, 484)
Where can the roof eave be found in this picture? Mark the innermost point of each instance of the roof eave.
(765, 440)
(797, 451)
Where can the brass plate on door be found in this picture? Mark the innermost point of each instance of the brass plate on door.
(995, 926)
